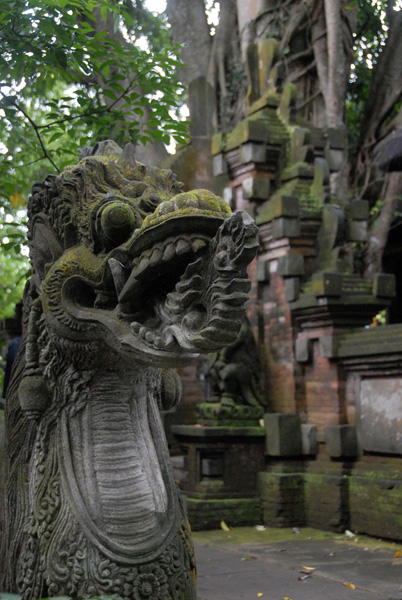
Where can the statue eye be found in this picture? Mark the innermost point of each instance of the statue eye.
(117, 221)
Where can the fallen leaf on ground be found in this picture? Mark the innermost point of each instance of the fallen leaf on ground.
(309, 568)
(303, 577)
(349, 585)
(286, 598)
(397, 554)
(249, 558)
(260, 594)
(224, 526)
(260, 527)
(295, 530)
(349, 534)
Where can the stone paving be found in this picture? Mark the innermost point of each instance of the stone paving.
(271, 564)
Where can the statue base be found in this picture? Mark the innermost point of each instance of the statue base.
(221, 473)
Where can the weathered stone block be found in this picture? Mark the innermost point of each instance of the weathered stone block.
(381, 414)
(217, 143)
(359, 210)
(281, 206)
(291, 265)
(252, 152)
(282, 499)
(341, 441)
(328, 284)
(250, 130)
(328, 345)
(303, 350)
(207, 514)
(283, 435)
(268, 52)
(262, 271)
(357, 231)
(285, 206)
(309, 439)
(288, 101)
(292, 289)
(229, 195)
(220, 165)
(326, 501)
(319, 188)
(256, 188)
(375, 506)
(252, 69)
(384, 285)
(285, 227)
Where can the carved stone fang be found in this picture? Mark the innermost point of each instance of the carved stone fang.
(120, 274)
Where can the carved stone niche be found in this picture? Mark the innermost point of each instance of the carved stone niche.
(130, 277)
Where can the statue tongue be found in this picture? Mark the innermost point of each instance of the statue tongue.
(116, 473)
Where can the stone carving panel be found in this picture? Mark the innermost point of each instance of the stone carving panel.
(381, 414)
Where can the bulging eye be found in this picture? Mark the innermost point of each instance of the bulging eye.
(117, 221)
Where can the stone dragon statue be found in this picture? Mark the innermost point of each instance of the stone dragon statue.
(130, 277)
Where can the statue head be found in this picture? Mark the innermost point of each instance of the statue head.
(124, 260)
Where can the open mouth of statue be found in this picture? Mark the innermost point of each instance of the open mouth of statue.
(180, 282)
(165, 286)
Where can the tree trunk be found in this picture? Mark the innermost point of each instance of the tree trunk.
(379, 231)
(189, 27)
(385, 91)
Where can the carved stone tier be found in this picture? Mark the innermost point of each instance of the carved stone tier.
(222, 463)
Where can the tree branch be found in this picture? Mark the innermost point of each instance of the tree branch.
(90, 113)
(35, 127)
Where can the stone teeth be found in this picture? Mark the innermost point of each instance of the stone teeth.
(173, 302)
(197, 245)
(149, 336)
(169, 252)
(156, 257)
(143, 332)
(143, 264)
(159, 342)
(135, 327)
(169, 340)
(182, 246)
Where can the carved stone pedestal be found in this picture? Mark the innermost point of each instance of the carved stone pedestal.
(222, 466)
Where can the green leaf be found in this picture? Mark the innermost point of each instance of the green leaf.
(104, 12)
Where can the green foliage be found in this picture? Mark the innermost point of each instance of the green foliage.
(14, 265)
(370, 37)
(68, 78)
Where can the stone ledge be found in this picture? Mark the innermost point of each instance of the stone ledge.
(207, 514)
(217, 432)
